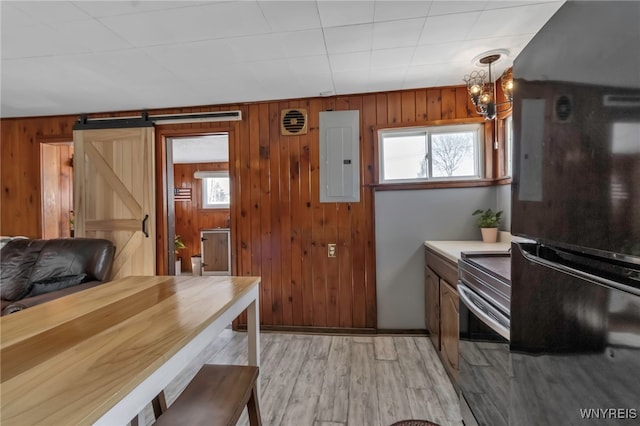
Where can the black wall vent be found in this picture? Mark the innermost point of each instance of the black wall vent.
(563, 108)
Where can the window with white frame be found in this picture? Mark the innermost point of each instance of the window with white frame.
(419, 154)
(216, 192)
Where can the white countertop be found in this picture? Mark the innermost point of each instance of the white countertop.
(452, 249)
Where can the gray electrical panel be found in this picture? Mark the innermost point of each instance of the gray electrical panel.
(339, 156)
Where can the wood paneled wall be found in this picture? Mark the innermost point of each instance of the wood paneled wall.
(279, 228)
(57, 189)
(20, 139)
(190, 217)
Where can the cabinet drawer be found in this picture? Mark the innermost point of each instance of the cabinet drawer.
(445, 269)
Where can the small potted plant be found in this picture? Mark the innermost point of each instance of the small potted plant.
(488, 222)
(178, 244)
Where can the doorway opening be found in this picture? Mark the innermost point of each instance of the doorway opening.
(200, 189)
(56, 177)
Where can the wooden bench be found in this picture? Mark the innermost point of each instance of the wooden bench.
(216, 396)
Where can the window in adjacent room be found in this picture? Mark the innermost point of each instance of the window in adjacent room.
(420, 154)
(215, 190)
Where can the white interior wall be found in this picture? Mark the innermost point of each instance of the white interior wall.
(503, 200)
(404, 221)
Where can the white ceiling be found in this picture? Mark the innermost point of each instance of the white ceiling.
(62, 57)
(201, 149)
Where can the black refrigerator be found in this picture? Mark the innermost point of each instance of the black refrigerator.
(575, 296)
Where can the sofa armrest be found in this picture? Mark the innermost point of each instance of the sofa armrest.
(36, 300)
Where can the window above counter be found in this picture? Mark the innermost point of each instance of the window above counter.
(420, 154)
(453, 153)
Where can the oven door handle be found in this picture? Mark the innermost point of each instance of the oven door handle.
(485, 312)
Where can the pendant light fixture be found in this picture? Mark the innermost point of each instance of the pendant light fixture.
(482, 88)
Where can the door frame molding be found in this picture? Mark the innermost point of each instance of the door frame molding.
(57, 140)
(165, 206)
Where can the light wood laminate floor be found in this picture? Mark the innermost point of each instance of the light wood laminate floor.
(323, 380)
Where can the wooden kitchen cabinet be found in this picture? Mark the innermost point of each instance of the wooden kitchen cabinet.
(432, 306)
(450, 327)
(442, 309)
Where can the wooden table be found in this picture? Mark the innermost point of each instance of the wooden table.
(100, 355)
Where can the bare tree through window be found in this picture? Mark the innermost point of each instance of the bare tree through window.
(216, 192)
(422, 173)
(449, 150)
(425, 153)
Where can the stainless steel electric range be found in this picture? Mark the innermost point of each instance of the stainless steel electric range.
(485, 292)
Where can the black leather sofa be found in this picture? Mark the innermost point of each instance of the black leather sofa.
(36, 271)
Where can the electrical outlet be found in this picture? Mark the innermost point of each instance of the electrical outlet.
(331, 250)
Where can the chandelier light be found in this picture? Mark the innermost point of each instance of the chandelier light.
(482, 88)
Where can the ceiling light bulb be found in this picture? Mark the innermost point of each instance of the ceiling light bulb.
(485, 98)
(475, 89)
(507, 82)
